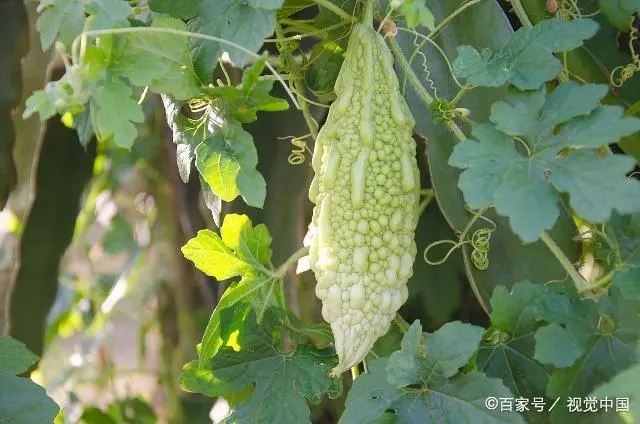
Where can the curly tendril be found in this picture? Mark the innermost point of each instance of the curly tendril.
(425, 68)
(624, 72)
(298, 150)
(479, 241)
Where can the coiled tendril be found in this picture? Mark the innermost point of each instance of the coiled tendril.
(297, 156)
(479, 241)
(623, 72)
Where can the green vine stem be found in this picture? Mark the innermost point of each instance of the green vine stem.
(334, 9)
(428, 197)
(579, 281)
(400, 322)
(426, 98)
(295, 79)
(369, 7)
(284, 268)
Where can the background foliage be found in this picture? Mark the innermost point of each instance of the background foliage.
(183, 129)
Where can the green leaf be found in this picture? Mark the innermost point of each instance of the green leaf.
(418, 14)
(441, 395)
(14, 356)
(606, 334)
(243, 251)
(65, 18)
(183, 9)
(185, 135)
(160, 60)
(508, 347)
(199, 380)
(281, 380)
(525, 187)
(322, 71)
(623, 385)
(460, 399)
(60, 18)
(549, 339)
(116, 112)
(266, 4)
(242, 102)
(451, 347)
(108, 13)
(527, 60)
(446, 351)
(41, 101)
(406, 365)
(24, 402)
(234, 21)
(619, 12)
(227, 162)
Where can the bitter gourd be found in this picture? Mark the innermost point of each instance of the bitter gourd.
(366, 191)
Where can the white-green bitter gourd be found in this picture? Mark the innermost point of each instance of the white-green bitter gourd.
(366, 191)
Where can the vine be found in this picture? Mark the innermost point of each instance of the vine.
(522, 162)
(628, 71)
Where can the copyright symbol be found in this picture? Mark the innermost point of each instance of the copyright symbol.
(491, 403)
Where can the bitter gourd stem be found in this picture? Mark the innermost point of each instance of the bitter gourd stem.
(564, 261)
(368, 13)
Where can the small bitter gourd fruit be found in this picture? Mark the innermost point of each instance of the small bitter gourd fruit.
(366, 191)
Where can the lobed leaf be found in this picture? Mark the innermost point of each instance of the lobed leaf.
(281, 381)
(559, 131)
(507, 351)
(243, 250)
(527, 60)
(161, 61)
(234, 21)
(65, 19)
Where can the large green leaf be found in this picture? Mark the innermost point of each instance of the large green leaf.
(160, 60)
(236, 21)
(596, 60)
(508, 348)
(24, 402)
(589, 342)
(527, 60)
(509, 260)
(420, 383)
(525, 187)
(241, 250)
(227, 162)
(623, 386)
(64, 19)
(281, 381)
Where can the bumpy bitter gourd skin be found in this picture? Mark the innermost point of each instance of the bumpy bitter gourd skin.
(366, 191)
